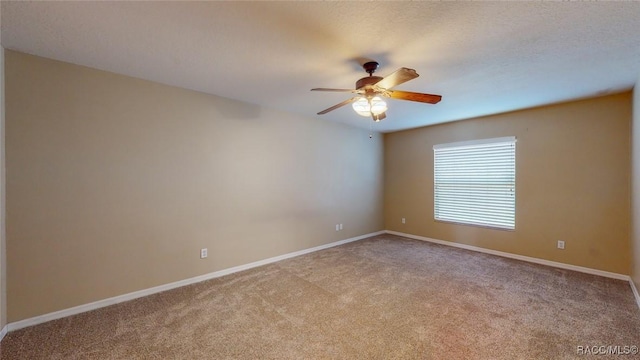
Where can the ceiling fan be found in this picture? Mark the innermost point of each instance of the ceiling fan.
(371, 89)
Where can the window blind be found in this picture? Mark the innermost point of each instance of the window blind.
(475, 182)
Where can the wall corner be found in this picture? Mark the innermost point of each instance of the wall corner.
(635, 186)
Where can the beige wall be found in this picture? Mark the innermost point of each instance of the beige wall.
(635, 190)
(573, 183)
(3, 263)
(114, 184)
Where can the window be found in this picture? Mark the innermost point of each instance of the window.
(475, 182)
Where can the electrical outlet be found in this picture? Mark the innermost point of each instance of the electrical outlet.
(560, 244)
(403, 221)
(337, 227)
(203, 253)
(340, 226)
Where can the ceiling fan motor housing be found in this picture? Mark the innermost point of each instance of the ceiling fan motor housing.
(369, 80)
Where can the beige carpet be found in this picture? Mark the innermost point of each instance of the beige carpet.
(382, 298)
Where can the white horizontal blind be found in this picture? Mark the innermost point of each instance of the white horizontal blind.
(475, 182)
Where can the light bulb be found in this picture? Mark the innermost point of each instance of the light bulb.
(378, 106)
(362, 107)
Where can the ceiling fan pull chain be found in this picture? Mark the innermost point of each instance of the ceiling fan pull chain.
(370, 129)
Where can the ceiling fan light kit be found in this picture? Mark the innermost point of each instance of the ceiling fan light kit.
(369, 107)
(371, 90)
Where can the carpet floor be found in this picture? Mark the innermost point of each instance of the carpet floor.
(385, 297)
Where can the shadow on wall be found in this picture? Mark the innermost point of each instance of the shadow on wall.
(236, 110)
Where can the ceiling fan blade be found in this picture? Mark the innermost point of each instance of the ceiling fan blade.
(414, 96)
(379, 117)
(349, 101)
(400, 76)
(336, 90)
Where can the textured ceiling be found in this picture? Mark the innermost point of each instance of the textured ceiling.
(483, 58)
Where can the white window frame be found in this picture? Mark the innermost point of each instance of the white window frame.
(474, 182)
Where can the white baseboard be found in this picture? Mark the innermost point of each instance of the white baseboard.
(635, 292)
(137, 294)
(517, 257)
(4, 331)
